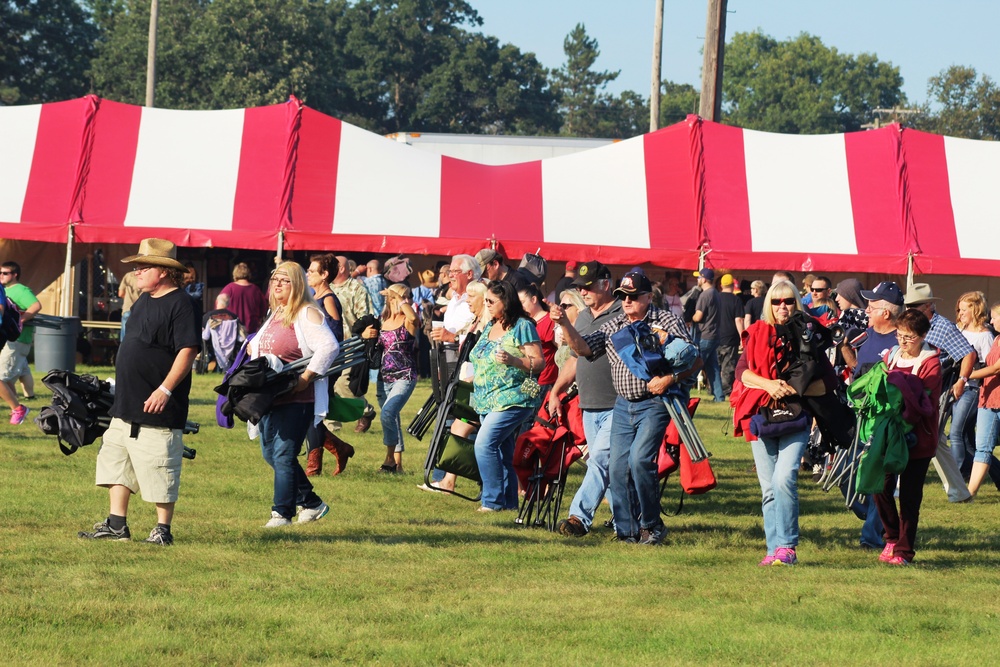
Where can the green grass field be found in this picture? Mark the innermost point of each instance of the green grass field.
(395, 575)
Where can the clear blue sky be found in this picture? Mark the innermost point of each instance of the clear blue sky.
(921, 37)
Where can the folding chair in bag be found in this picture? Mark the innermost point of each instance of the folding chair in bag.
(542, 457)
(677, 454)
(449, 451)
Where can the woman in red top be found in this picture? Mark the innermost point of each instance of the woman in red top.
(988, 416)
(912, 355)
(538, 310)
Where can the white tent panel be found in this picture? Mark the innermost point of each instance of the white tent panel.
(597, 197)
(17, 149)
(186, 167)
(386, 188)
(798, 188)
(974, 181)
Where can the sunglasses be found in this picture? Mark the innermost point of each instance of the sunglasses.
(818, 289)
(490, 301)
(633, 297)
(564, 306)
(788, 301)
(6, 273)
(141, 269)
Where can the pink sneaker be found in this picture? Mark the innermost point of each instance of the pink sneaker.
(897, 560)
(886, 554)
(785, 556)
(18, 414)
(768, 560)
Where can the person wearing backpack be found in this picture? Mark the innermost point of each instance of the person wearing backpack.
(17, 411)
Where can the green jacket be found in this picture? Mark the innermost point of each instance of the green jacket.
(879, 405)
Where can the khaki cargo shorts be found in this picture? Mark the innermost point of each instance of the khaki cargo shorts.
(14, 361)
(149, 464)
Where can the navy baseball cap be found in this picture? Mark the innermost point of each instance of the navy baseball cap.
(633, 284)
(885, 291)
(707, 274)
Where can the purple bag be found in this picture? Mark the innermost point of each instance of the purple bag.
(223, 420)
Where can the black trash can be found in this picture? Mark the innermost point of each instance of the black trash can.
(55, 344)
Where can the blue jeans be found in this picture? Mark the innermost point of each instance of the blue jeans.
(282, 431)
(636, 433)
(987, 428)
(125, 317)
(597, 428)
(778, 461)
(961, 410)
(495, 456)
(392, 396)
(709, 349)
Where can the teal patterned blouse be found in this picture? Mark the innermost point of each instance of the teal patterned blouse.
(498, 386)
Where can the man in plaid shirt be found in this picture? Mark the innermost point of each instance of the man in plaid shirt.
(640, 417)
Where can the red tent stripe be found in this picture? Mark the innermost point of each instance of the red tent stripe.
(670, 194)
(726, 205)
(56, 161)
(929, 194)
(314, 185)
(264, 157)
(487, 201)
(109, 178)
(875, 174)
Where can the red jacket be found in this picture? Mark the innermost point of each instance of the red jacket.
(920, 400)
(758, 357)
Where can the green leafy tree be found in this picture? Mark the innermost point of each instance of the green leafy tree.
(801, 86)
(581, 89)
(677, 101)
(968, 105)
(45, 49)
(219, 54)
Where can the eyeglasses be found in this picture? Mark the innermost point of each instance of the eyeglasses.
(564, 306)
(788, 301)
(490, 301)
(907, 338)
(140, 269)
(281, 281)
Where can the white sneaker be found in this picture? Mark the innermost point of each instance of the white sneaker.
(307, 515)
(277, 521)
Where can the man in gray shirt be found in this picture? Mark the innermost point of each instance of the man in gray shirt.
(597, 396)
(706, 316)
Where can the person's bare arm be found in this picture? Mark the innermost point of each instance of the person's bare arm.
(178, 371)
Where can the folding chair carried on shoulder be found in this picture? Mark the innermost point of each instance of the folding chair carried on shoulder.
(542, 457)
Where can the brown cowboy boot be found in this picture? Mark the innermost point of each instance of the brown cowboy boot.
(314, 462)
(340, 449)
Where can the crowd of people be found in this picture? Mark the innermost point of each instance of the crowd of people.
(528, 349)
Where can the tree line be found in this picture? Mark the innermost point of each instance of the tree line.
(424, 65)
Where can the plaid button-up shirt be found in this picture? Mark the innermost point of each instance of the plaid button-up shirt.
(626, 384)
(946, 337)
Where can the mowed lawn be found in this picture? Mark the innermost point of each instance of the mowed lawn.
(396, 575)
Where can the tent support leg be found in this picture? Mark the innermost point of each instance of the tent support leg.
(66, 302)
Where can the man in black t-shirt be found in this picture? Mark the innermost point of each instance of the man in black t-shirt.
(142, 449)
(730, 310)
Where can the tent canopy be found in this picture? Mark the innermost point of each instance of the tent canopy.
(862, 202)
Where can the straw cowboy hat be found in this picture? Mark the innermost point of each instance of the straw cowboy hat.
(156, 252)
(919, 293)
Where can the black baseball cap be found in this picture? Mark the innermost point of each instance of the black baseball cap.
(633, 284)
(590, 272)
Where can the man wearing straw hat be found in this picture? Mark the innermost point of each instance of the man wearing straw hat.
(142, 449)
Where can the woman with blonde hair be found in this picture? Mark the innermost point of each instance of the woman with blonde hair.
(397, 375)
(295, 329)
(769, 351)
(988, 415)
(970, 317)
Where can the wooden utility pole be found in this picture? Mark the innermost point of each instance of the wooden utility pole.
(711, 68)
(154, 11)
(654, 94)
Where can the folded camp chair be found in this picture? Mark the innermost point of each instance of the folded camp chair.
(542, 457)
(450, 452)
(671, 459)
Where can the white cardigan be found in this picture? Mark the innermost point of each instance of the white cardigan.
(314, 339)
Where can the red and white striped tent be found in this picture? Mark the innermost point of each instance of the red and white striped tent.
(254, 178)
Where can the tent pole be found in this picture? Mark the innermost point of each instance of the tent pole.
(65, 303)
(702, 253)
(909, 270)
(281, 243)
